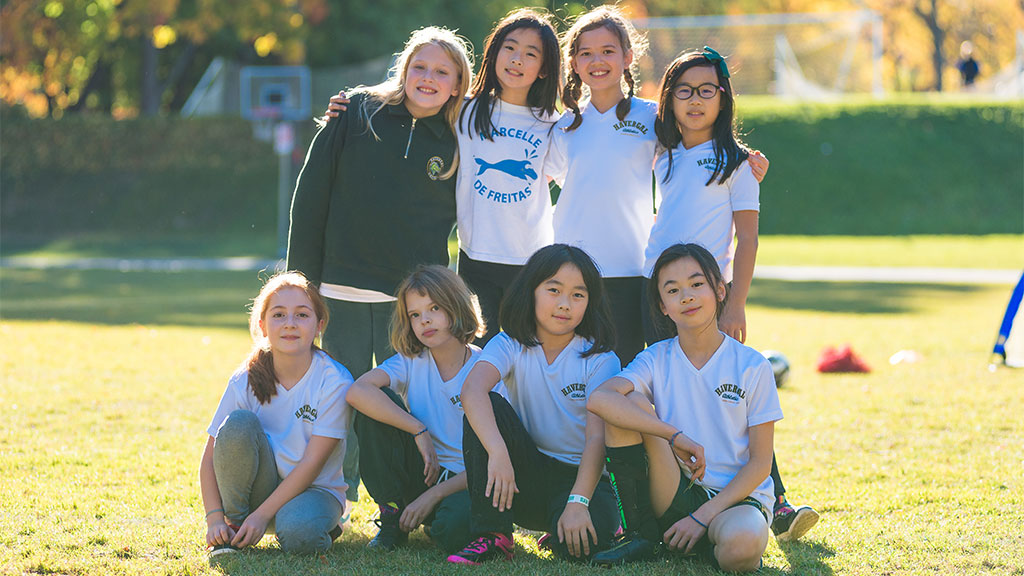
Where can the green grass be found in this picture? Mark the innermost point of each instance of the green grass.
(108, 381)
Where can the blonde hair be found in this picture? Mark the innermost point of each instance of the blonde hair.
(449, 291)
(611, 18)
(392, 91)
(260, 363)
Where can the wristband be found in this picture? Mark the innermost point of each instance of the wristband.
(420, 432)
(672, 440)
(579, 500)
(214, 511)
(694, 518)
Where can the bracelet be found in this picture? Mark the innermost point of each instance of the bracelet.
(420, 432)
(579, 500)
(694, 518)
(672, 440)
(214, 511)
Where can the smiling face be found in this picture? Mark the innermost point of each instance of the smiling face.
(560, 303)
(431, 79)
(696, 116)
(518, 64)
(600, 59)
(687, 296)
(430, 323)
(289, 323)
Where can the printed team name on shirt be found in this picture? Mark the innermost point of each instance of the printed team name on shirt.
(521, 169)
(577, 391)
(630, 127)
(306, 413)
(710, 164)
(731, 393)
(456, 401)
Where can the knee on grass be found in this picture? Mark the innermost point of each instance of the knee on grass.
(301, 538)
(740, 549)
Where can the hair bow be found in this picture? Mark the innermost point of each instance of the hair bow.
(713, 56)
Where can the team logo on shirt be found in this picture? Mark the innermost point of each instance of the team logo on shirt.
(434, 167)
(630, 127)
(521, 169)
(307, 413)
(577, 391)
(456, 401)
(730, 393)
(710, 164)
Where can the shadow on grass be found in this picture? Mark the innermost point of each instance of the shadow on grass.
(849, 297)
(805, 558)
(107, 297)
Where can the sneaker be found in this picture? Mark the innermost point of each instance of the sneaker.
(628, 547)
(490, 546)
(390, 535)
(791, 523)
(546, 542)
(220, 549)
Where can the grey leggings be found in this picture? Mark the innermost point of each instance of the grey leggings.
(247, 475)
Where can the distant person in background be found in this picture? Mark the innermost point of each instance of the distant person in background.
(967, 65)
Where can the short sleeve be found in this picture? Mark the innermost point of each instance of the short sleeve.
(235, 397)
(556, 163)
(398, 368)
(333, 412)
(763, 400)
(604, 368)
(641, 372)
(500, 352)
(744, 191)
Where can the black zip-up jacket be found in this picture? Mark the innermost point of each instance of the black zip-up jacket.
(366, 212)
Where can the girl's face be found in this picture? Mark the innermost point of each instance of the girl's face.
(431, 79)
(518, 62)
(600, 59)
(560, 302)
(687, 296)
(696, 116)
(429, 321)
(289, 323)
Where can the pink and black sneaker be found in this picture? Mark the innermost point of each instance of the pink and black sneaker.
(490, 546)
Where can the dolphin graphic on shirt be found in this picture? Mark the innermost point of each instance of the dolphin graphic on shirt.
(517, 168)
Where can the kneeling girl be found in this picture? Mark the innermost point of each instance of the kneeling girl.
(707, 490)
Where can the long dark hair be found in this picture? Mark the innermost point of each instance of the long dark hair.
(708, 265)
(611, 18)
(518, 310)
(486, 89)
(730, 151)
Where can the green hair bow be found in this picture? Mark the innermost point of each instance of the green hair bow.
(714, 57)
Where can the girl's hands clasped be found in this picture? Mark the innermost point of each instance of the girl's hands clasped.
(501, 481)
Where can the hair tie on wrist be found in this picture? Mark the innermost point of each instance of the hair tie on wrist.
(214, 511)
(672, 440)
(420, 432)
(694, 518)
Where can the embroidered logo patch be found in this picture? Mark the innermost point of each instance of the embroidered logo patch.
(434, 167)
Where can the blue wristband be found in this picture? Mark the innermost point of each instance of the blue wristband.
(694, 518)
(672, 440)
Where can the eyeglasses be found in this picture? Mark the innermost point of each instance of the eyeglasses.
(706, 91)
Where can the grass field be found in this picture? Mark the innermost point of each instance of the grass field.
(108, 381)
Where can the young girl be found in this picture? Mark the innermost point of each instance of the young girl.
(386, 165)
(535, 459)
(602, 155)
(505, 129)
(277, 440)
(412, 457)
(714, 401)
(710, 196)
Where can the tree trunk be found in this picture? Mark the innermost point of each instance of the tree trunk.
(150, 81)
(931, 20)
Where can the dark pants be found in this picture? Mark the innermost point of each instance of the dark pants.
(660, 328)
(624, 299)
(544, 484)
(488, 281)
(356, 334)
(392, 470)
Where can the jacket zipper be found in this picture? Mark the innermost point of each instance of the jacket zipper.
(409, 143)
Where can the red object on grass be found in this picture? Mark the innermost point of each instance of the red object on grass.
(841, 359)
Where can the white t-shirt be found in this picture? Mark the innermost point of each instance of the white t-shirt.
(714, 406)
(436, 403)
(691, 211)
(551, 400)
(606, 206)
(502, 199)
(315, 405)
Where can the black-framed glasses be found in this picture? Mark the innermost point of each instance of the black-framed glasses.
(706, 91)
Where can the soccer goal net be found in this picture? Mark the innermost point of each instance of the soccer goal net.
(809, 56)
